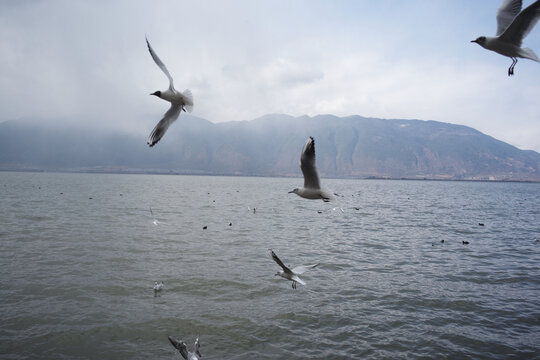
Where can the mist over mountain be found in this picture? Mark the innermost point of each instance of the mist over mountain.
(346, 147)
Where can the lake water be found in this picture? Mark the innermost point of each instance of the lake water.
(79, 255)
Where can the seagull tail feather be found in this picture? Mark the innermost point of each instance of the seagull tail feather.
(529, 54)
(188, 97)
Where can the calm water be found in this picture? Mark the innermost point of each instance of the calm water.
(77, 273)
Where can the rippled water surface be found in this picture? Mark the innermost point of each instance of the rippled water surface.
(79, 255)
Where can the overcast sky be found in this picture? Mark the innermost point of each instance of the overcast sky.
(86, 61)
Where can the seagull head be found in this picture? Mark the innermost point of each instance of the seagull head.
(294, 191)
(480, 40)
(279, 273)
(157, 93)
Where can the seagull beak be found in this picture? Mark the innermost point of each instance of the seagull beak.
(475, 41)
(290, 192)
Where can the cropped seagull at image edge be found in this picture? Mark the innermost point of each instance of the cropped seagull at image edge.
(291, 274)
(512, 27)
(179, 101)
(182, 349)
(312, 188)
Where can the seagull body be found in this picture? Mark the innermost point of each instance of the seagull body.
(158, 286)
(513, 25)
(289, 274)
(182, 349)
(312, 188)
(179, 102)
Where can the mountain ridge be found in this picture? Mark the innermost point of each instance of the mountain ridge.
(346, 147)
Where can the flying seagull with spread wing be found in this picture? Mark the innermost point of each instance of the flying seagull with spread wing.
(312, 188)
(291, 274)
(513, 25)
(179, 102)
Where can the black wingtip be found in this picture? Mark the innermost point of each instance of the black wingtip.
(148, 44)
(174, 342)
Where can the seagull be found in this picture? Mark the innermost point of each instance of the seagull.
(512, 27)
(289, 274)
(155, 221)
(312, 188)
(182, 348)
(179, 101)
(158, 287)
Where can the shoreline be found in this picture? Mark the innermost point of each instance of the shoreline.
(194, 173)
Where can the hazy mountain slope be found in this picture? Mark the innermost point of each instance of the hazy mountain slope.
(345, 147)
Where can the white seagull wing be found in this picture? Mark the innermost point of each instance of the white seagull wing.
(303, 268)
(522, 24)
(279, 262)
(307, 164)
(170, 116)
(161, 65)
(197, 347)
(506, 14)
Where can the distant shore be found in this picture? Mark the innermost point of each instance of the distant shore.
(196, 173)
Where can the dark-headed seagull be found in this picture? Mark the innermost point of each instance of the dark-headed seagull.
(312, 188)
(179, 101)
(289, 274)
(513, 25)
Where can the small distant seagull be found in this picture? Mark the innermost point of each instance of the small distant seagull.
(512, 27)
(179, 101)
(182, 348)
(289, 274)
(480, 224)
(312, 188)
(155, 221)
(158, 286)
(465, 242)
